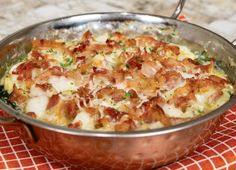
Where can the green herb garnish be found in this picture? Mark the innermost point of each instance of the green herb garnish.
(127, 65)
(4, 96)
(202, 57)
(68, 62)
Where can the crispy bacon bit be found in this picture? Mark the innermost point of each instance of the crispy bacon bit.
(111, 43)
(113, 113)
(149, 41)
(173, 48)
(134, 62)
(87, 36)
(32, 114)
(153, 112)
(25, 69)
(55, 70)
(37, 55)
(53, 100)
(183, 96)
(80, 60)
(116, 94)
(130, 42)
(92, 110)
(125, 126)
(133, 96)
(76, 125)
(71, 108)
(118, 75)
(84, 92)
(44, 86)
(81, 47)
(106, 91)
(18, 95)
(102, 122)
(117, 36)
(99, 70)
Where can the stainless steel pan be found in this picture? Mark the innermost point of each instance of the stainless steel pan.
(114, 150)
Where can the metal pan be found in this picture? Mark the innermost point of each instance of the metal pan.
(116, 150)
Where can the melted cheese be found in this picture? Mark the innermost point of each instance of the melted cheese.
(85, 119)
(62, 83)
(37, 105)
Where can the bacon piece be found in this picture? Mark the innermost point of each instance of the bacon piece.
(133, 96)
(169, 79)
(153, 112)
(84, 92)
(117, 36)
(116, 94)
(111, 43)
(102, 122)
(146, 40)
(71, 108)
(172, 48)
(92, 110)
(76, 125)
(99, 70)
(87, 36)
(55, 71)
(106, 91)
(134, 62)
(81, 47)
(125, 126)
(31, 114)
(37, 55)
(80, 60)
(130, 42)
(118, 75)
(52, 44)
(113, 113)
(183, 96)
(44, 86)
(25, 69)
(53, 101)
(18, 95)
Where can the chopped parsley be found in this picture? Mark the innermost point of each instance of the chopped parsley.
(127, 95)
(68, 62)
(202, 57)
(127, 65)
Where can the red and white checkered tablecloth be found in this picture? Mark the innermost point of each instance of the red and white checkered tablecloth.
(219, 152)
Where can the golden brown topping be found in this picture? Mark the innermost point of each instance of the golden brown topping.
(71, 108)
(18, 95)
(53, 100)
(119, 83)
(153, 112)
(113, 113)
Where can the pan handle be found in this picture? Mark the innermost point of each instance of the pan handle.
(20, 128)
(178, 9)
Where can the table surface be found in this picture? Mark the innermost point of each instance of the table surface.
(219, 152)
